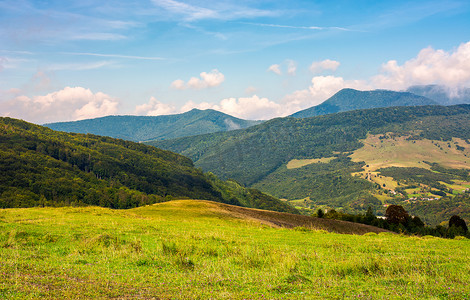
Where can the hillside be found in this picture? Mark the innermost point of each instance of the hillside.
(442, 94)
(205, 250)
(39, 166)
(350, 99)
(143, 128)
(330, 171)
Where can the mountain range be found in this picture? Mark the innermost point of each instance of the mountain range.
(143, 128)
(39, 166)
(346, 160)
(196, 122)
(442, 94)
(350, 99)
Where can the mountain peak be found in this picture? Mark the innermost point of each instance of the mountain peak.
(145, 128)
(350, 99)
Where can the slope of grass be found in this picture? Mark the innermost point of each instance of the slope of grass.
(381, 151)
(198, 250)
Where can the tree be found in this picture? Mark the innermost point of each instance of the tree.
(458, 222)
(369, 217)
(320, 213)
(396, 214)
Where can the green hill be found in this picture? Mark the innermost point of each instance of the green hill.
(142, 128)
(205, 250)
(331, 171)
(39, 166)
(350, 99)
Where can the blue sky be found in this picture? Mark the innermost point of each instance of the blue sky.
(69, 60)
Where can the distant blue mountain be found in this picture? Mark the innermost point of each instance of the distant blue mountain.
(350, 99)
(442, 94)
(143, 128)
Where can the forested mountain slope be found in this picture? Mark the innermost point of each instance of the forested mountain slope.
(312, 158)
(350, 99)
(39, 166)
(143, 128)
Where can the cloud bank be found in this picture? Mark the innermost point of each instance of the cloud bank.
(430, 66)
(70, 103)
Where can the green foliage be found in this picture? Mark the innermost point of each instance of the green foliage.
(140, 128)
(458, 222)
(257, 156)
(434, 212)
(320, 213)
(416, 175)
(324, 183)
(39, 166)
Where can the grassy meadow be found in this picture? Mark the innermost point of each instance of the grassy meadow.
(204, 250)
(381, 151)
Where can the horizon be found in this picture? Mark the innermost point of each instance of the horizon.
(252, 60)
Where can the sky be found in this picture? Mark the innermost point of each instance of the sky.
(71, 60)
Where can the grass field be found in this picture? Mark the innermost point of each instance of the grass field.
(299, 163)
(203, 250)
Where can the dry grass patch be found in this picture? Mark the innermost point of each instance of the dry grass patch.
(298, 163)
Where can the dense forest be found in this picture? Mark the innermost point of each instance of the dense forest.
(39, 166)
(257, 156)
(251, 154)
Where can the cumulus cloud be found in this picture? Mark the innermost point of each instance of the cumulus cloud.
(327, 64)
(206, 80)
(249, 108)
(291, 67)
(276, 69)
(70, 103)
(430, 66)
(154, 108)
(289, 64)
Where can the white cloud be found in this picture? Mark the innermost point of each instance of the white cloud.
(246, 108)
(291, 67)
(250, 90)
(70, 103)
(79, 66)
(428, 67)
(275, 69)
(97, 36)
(191, 12)
(154, 108)
(220, 10)
(191, 104)
(289, 64)
(206, 80)
(327, 64)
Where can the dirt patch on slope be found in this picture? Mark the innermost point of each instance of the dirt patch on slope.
(286, 220)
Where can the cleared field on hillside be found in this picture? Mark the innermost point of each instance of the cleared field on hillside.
(400, 152)
(381, 151)
(298, 163)
(204, 250)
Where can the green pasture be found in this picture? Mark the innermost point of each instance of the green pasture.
(196, 250)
